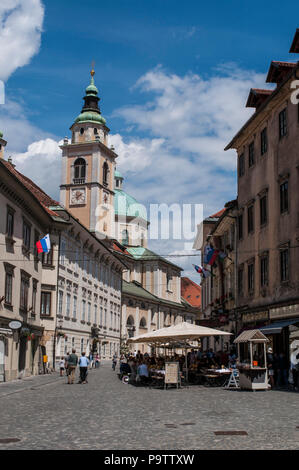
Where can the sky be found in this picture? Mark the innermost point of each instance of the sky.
(173, 78)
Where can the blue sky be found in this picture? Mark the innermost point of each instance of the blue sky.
(173, 80)
(127, 38)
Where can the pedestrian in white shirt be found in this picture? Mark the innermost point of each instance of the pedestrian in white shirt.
(62, 366)
(83, 364)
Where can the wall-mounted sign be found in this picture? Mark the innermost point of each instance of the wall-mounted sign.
(15, 325)
(255, 316)
(285, 312)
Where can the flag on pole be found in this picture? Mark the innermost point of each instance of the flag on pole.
(207, 254)
(222, 255)
(213, 257)
(44, 245)
(205, 273)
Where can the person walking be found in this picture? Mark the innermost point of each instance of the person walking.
(114, 361)
(62, 366)
(71, 366)
(270, 365)
(91, 359)
(83, 364)
(97, 361)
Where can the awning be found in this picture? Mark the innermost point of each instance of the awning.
(277, 327)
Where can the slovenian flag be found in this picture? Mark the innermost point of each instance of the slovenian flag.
(212, 256)
(207, 253)
(205, 273)
(44, 245)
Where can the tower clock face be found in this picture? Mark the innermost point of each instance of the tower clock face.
(78, 196)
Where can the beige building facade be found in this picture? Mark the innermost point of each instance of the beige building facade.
(268, 199)
(23, 221)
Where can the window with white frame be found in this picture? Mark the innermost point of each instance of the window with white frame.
(60, 302)
(83, 310)
(74, 307)
(68, 305)
(89, 312)
(62, 251)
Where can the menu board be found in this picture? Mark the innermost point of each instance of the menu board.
(171, 372)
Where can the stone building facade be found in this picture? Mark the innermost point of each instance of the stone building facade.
(218, 292)
(268, 199)
(23, 220)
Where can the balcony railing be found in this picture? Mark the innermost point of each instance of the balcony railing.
(79, 180)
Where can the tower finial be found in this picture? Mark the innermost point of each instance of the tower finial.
(92, 72)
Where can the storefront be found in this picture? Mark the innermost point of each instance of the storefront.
(283, 336)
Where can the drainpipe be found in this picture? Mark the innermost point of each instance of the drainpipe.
(55, 331)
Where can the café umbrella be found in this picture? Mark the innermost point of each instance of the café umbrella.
(183, 331)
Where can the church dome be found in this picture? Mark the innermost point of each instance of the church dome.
(117, 174)
(88, 116)
(126, 205)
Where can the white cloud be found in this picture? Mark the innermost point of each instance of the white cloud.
(41, 163)
(188, 121)
(20, 33)
(192, 114)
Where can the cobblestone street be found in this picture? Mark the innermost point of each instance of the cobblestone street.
(46, 413)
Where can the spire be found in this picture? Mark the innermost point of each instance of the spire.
(91, 110)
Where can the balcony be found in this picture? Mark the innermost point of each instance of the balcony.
(79, 180)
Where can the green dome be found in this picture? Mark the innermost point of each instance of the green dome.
(1, 135)
(92, 89)
(126, 205)
(117, 174)
(87, 116)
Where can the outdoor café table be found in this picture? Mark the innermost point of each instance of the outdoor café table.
(157, 376)
(216, 377)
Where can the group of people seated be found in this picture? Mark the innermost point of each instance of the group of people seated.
(140, 367)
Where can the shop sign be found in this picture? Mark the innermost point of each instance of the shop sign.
(15, 325)
(285, 312)
(255, 316)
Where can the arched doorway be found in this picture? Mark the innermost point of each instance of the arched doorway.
(130, 326)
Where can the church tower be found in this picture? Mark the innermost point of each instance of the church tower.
(88, 164)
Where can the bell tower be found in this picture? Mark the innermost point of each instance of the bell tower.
(87, 186)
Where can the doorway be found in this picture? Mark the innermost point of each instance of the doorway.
(22, 353)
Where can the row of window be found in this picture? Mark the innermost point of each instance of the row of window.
(104, 349)
(283, 129)
(263, 271)
(263, 210)
(26, 230)
(45, 305)
(86, 311)
(75, 257)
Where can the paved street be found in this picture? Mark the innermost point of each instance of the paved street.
(46, 413)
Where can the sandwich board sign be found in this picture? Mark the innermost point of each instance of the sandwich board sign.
(171, 373)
